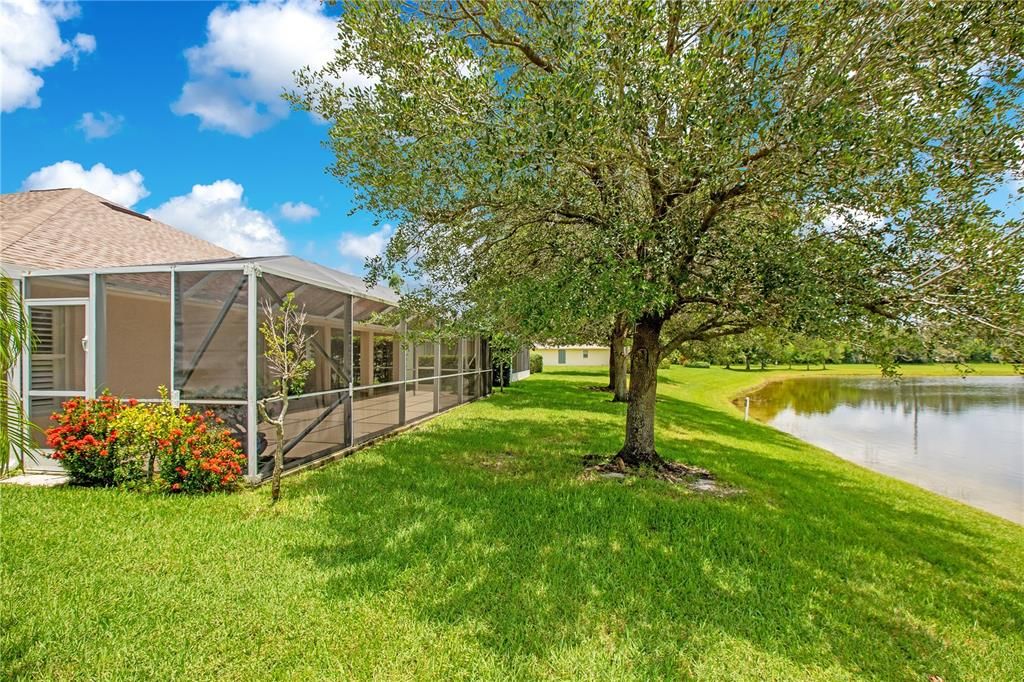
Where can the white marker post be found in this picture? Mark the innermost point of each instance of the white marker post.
(746, 408)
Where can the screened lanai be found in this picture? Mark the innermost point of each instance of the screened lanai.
(194, 328)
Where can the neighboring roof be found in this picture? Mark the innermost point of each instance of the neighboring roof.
(73, 228)
(579, 347)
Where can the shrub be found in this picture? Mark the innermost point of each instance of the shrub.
(85, 441)
(141, 427)
(198, 454)
(536, 363)
(109, 442)
(698, 363)
(665, 363)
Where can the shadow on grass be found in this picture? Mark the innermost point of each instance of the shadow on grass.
(819, 563)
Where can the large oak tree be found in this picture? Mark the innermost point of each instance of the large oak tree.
(724, 165)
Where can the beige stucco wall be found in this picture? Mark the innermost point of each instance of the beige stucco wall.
(574, 356)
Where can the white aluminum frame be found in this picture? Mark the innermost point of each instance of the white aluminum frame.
(252, 380)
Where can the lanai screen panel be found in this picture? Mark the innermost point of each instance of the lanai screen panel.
(57, 286)
(421, 386)
(375, 410)
(136, 332)
(315, 426)
(470, 387)
(317, 419)
(210, 335)
(327, 314)
(450, 381)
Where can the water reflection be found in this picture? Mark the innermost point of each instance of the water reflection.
(963, 438)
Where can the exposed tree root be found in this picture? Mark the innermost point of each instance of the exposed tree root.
(695, 478)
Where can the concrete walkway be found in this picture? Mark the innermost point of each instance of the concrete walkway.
(37, 480)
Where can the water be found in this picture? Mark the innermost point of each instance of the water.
(960, 437)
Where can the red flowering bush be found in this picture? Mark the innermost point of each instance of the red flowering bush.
(198, 455)
(109, 442)
(85, 441)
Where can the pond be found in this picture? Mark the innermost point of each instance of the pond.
(960, 437)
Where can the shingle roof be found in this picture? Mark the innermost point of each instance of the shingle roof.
(73, 228)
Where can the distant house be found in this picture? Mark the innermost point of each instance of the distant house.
(573, 355)
(121, 302)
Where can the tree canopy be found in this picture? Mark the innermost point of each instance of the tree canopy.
(724, 165)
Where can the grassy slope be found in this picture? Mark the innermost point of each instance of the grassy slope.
(472, 548)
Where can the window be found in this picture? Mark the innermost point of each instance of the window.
(357, 360)
(561, 357)
(586, 355)
(338, 359)
(384, 369)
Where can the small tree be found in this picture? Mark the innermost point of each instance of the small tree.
(286, 341)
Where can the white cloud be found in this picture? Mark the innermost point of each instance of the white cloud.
(99, 126)
(237, 77)
(217, 213)
(362, 246)
(298, 212)
(121, 188)
(30, 42)
(84, 43)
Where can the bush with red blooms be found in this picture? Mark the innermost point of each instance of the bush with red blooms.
(109, 442)
(84, 440)
(198, 455)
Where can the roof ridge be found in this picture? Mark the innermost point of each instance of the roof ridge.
(73, 194)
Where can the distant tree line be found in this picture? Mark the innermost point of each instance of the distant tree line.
(763, 348)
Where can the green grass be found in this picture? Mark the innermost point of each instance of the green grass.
(473, 548)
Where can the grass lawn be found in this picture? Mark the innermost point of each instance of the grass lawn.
(473, 548)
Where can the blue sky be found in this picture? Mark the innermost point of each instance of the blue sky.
(132, 98)
(174, 109)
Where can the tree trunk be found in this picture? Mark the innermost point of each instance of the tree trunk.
(620, 391)
(746, 361)
(618, 372)
(638, 449)
(275, 485)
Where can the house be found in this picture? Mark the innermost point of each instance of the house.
(574, 355)
(121, 302)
